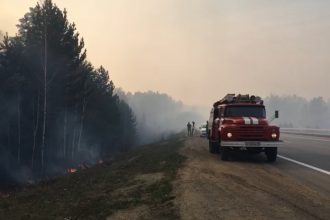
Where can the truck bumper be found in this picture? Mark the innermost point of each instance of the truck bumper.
(251, 144)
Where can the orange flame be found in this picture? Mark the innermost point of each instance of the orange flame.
(72, 170)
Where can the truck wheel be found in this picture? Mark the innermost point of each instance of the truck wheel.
(224, 153)
(217, 147)
(271, 154)
(211, 149)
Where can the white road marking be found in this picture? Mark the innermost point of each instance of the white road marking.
(305, 165)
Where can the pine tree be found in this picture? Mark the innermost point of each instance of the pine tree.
(56, 107)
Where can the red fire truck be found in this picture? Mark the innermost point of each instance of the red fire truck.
(238, 122)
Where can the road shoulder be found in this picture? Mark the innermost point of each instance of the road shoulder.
(208, 188)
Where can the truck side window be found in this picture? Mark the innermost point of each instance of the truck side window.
(216, 113)
(222, 112)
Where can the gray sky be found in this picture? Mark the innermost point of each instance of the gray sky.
(199, 50)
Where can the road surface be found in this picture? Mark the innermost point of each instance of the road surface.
(307, 149)
(311, 151)
(248, 187)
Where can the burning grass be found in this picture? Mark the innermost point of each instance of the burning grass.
(140, 178)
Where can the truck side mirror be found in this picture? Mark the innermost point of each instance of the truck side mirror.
(276, 114)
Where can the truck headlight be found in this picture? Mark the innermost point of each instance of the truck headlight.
(229, 135)
(274, 135)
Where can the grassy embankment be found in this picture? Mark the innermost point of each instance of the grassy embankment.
(140, 178)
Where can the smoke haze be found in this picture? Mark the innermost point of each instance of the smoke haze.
(192, 50)
(186, 47)
(299, 112)
(158, 115)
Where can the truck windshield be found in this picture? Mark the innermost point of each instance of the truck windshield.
(245, 111)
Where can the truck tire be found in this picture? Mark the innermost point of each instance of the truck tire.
(224, 152)
(271, 154)
(216, 147)
(211, 149)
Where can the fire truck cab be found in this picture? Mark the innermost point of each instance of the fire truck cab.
(239, 123)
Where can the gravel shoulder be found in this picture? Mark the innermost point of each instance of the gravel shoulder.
(208, 188)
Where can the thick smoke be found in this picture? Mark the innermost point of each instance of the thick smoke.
(158, 115)
(299, 112)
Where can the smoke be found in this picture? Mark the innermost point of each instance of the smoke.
(9, 171)
(158, 115)
(57, 161)
(299, 112)
(295, 111)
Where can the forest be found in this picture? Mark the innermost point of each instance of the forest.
(299, 112)
(57, 110)
(158, 115)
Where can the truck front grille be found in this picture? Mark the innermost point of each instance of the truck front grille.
(252, 132)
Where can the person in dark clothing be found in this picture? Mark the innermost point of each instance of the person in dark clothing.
(192, 128)
(207, 129)
(189, 128)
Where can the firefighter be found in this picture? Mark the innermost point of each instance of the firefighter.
(189, 128)
(192, 128)
(207, 129)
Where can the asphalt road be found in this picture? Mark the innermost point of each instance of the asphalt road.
(309, 151)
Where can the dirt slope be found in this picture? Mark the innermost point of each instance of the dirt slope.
(208, 188)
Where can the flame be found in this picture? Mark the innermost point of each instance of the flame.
(4, 195)
(72, 170)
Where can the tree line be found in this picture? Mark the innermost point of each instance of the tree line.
(298, 112)
(56, 110)
(158, 115)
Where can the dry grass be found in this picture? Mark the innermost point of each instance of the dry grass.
(140, 178)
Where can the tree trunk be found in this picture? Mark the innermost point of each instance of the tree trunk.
(35, 129)
(19, 127)
(44, 127)
(64, 131)
(45, 106)
(84, 105)
(73, 143)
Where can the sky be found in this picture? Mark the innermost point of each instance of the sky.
(199, 50)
